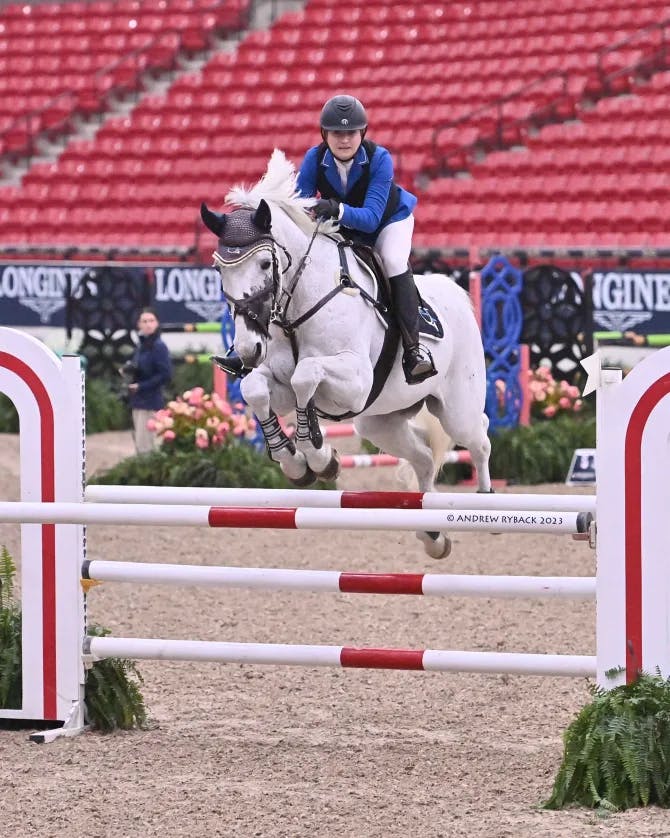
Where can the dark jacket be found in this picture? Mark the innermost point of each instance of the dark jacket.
(154, 371)
(367, 218)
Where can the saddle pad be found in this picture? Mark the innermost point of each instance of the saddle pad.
(429, 322)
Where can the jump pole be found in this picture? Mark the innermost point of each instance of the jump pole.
(463, 520)
(332, 581)
(427, 660)
(333, 498)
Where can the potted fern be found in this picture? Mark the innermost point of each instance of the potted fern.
(617, 750)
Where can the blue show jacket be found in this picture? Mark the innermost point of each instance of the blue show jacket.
(368, 218)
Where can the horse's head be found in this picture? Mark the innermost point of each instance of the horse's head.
(247, 260)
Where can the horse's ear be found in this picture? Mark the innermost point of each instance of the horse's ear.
(214, 221)
(263, 217)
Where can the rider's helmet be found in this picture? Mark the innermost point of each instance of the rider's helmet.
(343, 113)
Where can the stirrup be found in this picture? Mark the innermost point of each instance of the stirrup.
(231, 364)
(417, 364)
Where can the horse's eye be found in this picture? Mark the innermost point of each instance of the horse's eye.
(265, 264)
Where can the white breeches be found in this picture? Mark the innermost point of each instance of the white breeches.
(394, 244)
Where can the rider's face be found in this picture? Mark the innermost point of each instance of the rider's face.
(344, 144)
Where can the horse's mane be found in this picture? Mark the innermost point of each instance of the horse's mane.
(278, 187)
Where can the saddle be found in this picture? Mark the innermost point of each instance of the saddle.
(369, 258)
(382, 303)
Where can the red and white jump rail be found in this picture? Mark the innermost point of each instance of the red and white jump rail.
(632, 583)
(332, 581)
(377, 460)
(461, 520)
(334, 498)
(288, 654)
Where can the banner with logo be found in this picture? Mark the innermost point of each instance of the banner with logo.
(631, 301)
(35, 294)
(187, 294)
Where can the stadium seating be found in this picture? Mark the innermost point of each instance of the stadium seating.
(59, 60)
(580, 155)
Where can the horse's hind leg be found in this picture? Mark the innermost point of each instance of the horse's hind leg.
(394, 434)
(469, 429)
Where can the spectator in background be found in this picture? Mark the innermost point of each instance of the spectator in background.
(151, 370)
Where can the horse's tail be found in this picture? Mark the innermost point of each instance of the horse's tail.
(434, 435)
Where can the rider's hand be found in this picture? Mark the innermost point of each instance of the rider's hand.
(326, 208)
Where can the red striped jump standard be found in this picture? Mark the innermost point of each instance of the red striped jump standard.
(282, 654)
(463, 520)
(332, 581)
(334, 498)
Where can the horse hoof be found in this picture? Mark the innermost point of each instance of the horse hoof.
(436, 548)
(307, 479)
(332, 470)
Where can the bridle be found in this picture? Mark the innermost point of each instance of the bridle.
(273, 288)
(282, 293)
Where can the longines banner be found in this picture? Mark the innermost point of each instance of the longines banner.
(187, 294)
(36, 294)
(637, 301)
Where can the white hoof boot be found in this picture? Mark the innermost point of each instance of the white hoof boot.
(436, 548)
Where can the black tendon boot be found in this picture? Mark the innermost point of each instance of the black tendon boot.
(231, 364)
(417, 362)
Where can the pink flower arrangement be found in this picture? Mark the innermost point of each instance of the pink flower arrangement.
(201, 420)
(550, 397)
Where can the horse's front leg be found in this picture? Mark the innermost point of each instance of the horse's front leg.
(340, 381)
(262, 392)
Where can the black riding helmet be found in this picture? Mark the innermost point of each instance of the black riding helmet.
(343, 113)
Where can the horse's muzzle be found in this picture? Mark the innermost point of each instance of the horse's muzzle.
(252, 355)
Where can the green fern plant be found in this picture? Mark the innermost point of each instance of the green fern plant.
(113, 696)
(617, 750)
(10, 636)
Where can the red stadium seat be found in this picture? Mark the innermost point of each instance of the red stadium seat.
(417, 66)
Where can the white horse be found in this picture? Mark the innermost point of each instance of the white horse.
(310, 333)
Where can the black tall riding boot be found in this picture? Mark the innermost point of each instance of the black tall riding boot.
(417, 362)
(231, 364)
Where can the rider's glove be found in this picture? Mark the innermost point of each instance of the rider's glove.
(326, 208)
